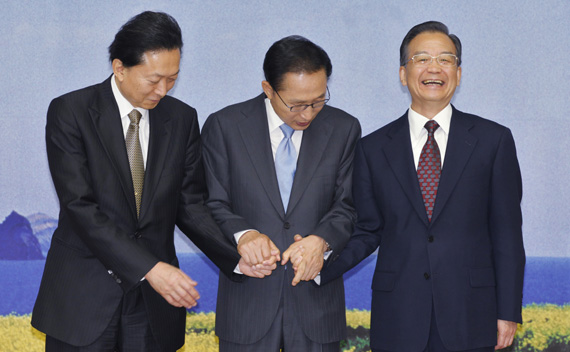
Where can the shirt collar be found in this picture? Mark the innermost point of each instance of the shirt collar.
(418, 121)
(124, 106)
(273, 119)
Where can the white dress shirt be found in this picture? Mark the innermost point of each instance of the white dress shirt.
(419, 134)
(124, 109)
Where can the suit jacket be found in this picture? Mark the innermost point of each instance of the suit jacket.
(244, 194)
(100, 249)
(467, 263)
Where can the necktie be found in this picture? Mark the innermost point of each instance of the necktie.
(285, 164)
(134, 152)
(429, 169)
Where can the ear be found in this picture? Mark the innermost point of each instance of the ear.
(458, 75)
(403, 76)
(118, 69)
(267, 89)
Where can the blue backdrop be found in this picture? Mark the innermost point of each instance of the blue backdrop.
(515, 71)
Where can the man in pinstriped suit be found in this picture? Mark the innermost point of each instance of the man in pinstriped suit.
(283, 310)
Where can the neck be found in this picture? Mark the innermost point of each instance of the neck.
(429, 110)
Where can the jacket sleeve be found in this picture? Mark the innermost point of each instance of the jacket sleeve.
(194, 217)
(505, 226)
(80, 213)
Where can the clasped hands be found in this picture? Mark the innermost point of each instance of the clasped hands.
(259, 256)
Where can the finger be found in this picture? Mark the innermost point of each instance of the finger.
(286, 256)
(258, 255)
(297, 261)
(298, 274)
(274, 250)
(266, 249)
(245, 257)
(264, 273)
(297, 238)
(269, 262)
(310, 273)
(184, 297)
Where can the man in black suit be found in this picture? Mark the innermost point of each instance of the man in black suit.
(111, 278)
(278, 165)
(438, 191)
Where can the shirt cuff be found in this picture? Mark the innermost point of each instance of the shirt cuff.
(238, 235)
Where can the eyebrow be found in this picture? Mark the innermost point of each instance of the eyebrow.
(425, 52)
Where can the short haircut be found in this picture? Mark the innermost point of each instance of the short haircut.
(294, 54)
(430, 26)
(147, 31)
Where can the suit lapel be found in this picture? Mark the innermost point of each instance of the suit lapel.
(254, 131)
(105, 115)
(160, 129)
(400, 157)
(313, 147)
(460, 146)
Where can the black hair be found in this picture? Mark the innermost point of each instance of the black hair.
(430, 26)
(294, 54)
(147, 31)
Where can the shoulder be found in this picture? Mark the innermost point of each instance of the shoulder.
(172, 104)
(337, 116)
(248, 107)
(232, 115)
(396, 129)
(480, 127)
(83, 95)
(344, 125)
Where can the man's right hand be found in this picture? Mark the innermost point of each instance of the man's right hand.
(256, 248)
(257, 271)
(173, 285)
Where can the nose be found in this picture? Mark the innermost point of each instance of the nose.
(161, 88)
(309, 113)
(434, 66)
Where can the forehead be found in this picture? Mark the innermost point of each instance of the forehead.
(431, 42)
(163, 60)
(304, 85)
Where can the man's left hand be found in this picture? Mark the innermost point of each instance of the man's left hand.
(505, 333)
(308, 267)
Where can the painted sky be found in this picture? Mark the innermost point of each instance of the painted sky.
(515, 71)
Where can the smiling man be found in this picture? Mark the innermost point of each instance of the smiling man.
(279, 165)
(126, 164)
(438, 193)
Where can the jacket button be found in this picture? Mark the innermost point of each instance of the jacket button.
(118, 281)
(426, 275)
(430, 239)
(286, 226)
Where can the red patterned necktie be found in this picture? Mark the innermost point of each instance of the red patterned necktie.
(429, 169)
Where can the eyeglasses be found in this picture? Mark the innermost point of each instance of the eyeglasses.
(447, 60)
(303, 107)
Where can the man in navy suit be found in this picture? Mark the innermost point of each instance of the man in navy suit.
(111, 278)
(441, 201)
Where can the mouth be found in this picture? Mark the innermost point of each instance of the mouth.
(433, 82)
